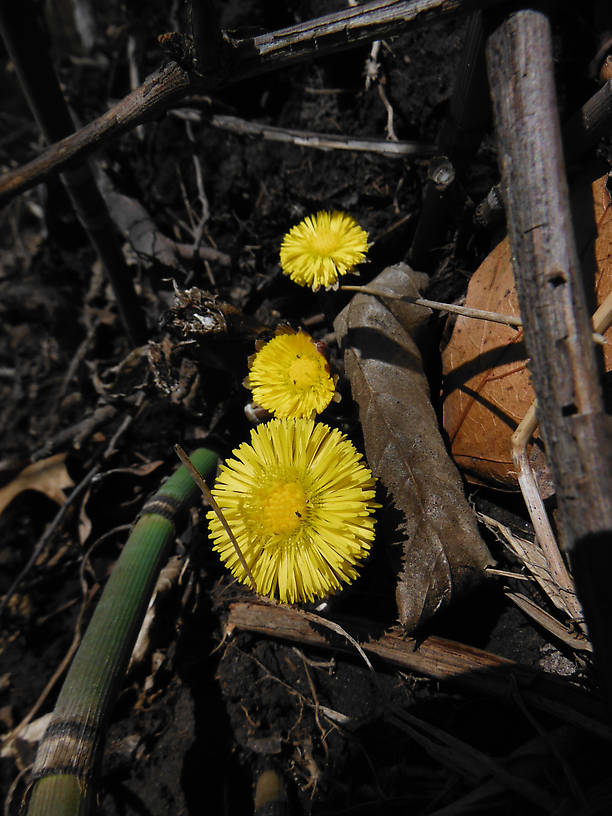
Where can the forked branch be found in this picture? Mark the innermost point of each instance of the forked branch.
(243, 58)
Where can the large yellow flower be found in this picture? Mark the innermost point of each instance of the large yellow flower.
(289, 376)
(322, 247)
(298, 500)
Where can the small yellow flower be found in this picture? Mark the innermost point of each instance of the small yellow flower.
(289, 377)
(322, 247)
(298, 500)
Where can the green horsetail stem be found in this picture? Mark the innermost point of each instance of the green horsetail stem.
(69, 752)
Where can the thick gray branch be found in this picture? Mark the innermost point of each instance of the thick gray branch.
(550, 290)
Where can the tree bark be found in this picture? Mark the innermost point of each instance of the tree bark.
(576, 430)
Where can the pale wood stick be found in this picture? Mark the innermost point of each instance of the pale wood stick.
(322, 141)
(466, 311)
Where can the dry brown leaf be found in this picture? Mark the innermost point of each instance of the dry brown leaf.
(443, 554)
(48, 476)
(530, 554)
(487, 384)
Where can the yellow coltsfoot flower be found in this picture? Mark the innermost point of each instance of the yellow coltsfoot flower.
(321, 248)
(299, 501)
(289, 376)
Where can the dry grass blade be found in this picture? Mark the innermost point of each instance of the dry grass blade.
(531, 556)
(527, 760)
(564, 593)
(537, 564)
(335, 627)
(548, 622)
(468, 760)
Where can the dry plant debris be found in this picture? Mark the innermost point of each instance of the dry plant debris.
(443, 553)
(487, 387)
(48, 476)
(186, 385)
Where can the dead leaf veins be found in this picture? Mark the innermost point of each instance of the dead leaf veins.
(443, 553)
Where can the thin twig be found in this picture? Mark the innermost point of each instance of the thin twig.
(465, 311)
(158, 92)
(197, 478)
(537, 513)
(390, 129)
(319, 141)
(77, 433)
(76, 361)
(127, 420)
(339, 630)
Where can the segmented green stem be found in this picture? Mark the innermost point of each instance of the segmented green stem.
(70, 749)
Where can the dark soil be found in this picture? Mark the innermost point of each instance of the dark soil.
(203, 714)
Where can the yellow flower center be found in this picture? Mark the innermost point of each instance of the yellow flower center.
(304, 371)
(324, 242)
(284, 507)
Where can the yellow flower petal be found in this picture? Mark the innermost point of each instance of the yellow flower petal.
(299, 501)
(321, 248)
(289, 377)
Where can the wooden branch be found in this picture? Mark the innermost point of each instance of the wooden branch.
(446, 660)
(159, 91)
(250, 56)
(322, 141)
(577, 432)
